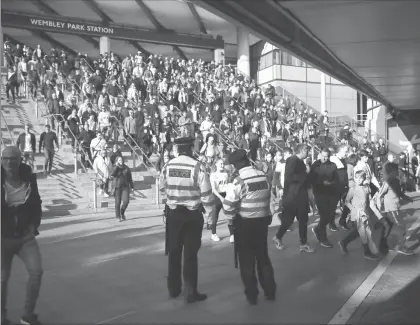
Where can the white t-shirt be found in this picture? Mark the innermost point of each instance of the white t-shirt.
(220, 180)
(28, 143)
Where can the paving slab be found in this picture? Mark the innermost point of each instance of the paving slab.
(98, 271)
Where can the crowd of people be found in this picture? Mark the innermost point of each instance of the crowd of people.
(153, 103)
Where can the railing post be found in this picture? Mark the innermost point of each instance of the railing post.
(36, 108)
(59, 133)
(75, 164)
(94, 195)
(134, 159)
(313, 154)
(157, 190)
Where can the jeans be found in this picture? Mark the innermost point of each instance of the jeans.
(49, 156)
(121, 195)
(28, 251)
(28, 158)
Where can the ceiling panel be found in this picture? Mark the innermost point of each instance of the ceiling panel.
(73, 8)
(19, 6)
(125, 12)
(122, 48)
(27, 38)
(205, 55)
(174, 15)
(164, 50)
(218, 26)
(377, 19)
(76, 43)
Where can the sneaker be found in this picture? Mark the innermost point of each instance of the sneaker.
(232, 239)
(31, 320)
(106, 195)
(196, 298)
(333, 227)
(278, 243)
(316, 233)
(306, 248)
(326, 244)
(406, 251)
(342, 247)
(371, 256)
(252, 300)
(214, 237)
(343, 224)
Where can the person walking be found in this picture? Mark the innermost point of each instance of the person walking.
(20, 218)
(247, 202)
(219, 179)
(46, 143)
(101, 166)
(26, 142)
(324, 179)
(123, 182)
(295, 199)
(189, 196)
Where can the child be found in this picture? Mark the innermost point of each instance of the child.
(392, 193)
(358, 202)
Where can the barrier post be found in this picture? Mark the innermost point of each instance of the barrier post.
(94, 196)
(36, 108)
(134, 159)
(313, 154)
(157, 190)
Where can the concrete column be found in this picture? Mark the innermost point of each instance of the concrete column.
(104, 45)
(243, 51)
(219, 56)
(323, 94)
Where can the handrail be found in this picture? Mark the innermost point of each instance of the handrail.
(7, 127)
(136, 147)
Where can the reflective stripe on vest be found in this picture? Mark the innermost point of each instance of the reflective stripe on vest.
(256, 200)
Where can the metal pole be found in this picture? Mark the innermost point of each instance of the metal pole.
(157, 190)
(313, 154)
(75, 164)
(134, 159)
(36, 108)
(94, 196)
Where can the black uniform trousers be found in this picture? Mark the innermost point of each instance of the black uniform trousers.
(184, 234)
(327, 204)
(251, 240)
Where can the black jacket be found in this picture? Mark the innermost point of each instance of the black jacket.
(15, 221)
(21, 143)
(296, 183)
(122, 177)
(321, 172)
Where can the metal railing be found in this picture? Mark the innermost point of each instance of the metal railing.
(8, 129)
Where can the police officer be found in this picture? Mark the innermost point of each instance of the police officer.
(247, 201)
(189, 195)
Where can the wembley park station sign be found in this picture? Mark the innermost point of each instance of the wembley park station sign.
(75, 26)
(71, 26)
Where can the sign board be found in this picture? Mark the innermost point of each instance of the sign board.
(116, 31)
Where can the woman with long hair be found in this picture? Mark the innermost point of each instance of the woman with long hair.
(219, 180)
(210, 149)
(391, 193)
(123, 183)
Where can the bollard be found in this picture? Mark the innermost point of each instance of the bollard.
(157, 190)
(94, 196)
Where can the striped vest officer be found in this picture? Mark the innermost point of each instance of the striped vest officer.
(189, 195)
(247, 201)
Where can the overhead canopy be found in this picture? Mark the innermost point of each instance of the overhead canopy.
(372, 46)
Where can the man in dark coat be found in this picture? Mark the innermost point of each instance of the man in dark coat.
(324, 179)
(295, 199)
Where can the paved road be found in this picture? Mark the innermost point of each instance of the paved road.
(100, 271)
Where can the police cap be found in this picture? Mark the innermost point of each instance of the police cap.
(186, 141)
(237, 156)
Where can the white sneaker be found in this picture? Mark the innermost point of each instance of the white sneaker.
(232, 238)
(101, 192)
(106, 195)
(214, 237)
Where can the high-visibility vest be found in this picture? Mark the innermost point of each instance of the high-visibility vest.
(248, 195)
(187, 183)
